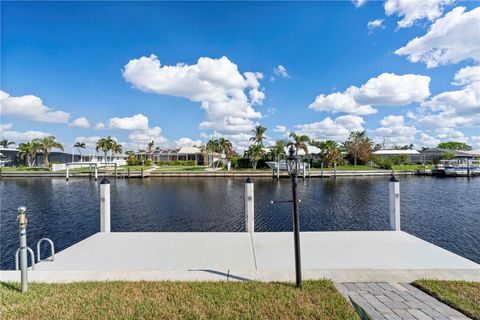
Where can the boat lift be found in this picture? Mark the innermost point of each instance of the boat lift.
(95, 166)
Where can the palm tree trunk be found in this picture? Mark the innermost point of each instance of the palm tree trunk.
(45, 158)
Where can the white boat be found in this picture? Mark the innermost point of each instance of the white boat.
(282, 165)
(462, 169)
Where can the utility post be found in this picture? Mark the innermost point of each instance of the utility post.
(249, 206)
(105, 205)
(22, 221)
(394, 196)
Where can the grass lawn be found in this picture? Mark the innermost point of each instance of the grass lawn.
(133, 168)
(406, 167)
(461, 295)
(174, 300)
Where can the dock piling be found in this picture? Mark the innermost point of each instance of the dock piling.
(67, 173)
(334, 169)
(394, 192)
(249, 206)
(105, 205)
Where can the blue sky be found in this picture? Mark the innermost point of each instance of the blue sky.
(93, 61)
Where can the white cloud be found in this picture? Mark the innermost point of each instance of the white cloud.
(449, 134)
(451, 39)
(90, 142)
(337, 129)
(18, 136)
(475, 140)
(281, 71)
(467, 75)
(5, 126)
(415, 10)
(359, 3)
(280, 128)
(136, 122)
(224, 93)
(143, 137)
(375, 24)
(187, 142)
(30, 107)
(450, 109)
(427, 140)
(395, 131)
(100, 126)
(81, 122)
(387, 89)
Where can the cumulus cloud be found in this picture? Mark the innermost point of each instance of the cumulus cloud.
(224, 93)
(375, 24)
(280, 128)
(143, 137)
(427, 140)
(187, 142)
(466, 76)
(90, 142)
(19, 136)
(387, 89)
(281, 71)
(452, 109)
(30, 107)
(100, 126)
(81, 122)
(450, 39)
(359, 3)
(415, 10)
(395, 131)
(136, 122)
(337, 129)
(475, 141)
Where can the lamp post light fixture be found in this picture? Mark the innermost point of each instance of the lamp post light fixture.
(293, 167)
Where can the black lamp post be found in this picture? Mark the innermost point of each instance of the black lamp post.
(293, 167)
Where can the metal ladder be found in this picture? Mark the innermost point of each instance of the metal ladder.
(32, 255)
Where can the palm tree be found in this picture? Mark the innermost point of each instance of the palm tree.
(359, 146)
(80, 145)
(299, 142)
(150, 146)
(258, 135)
(255, 152)
(105, 145)
(278, 150)
(5, 143)
(28, 152)
(330, 152)
(46, 145)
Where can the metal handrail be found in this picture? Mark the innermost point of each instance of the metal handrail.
(32, 256)
(52, 247)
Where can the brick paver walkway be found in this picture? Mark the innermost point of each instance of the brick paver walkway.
(397, 301)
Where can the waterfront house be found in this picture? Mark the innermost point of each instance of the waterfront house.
(181, 154)
(435, 154)
(412, 156)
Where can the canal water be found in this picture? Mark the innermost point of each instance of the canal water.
(444, 211)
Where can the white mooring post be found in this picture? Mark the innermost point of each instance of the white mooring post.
(394, 189)
(67, 172)
(105, 205)
(96, 172)
(249, 206)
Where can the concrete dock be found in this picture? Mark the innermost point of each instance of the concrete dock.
(391, 256)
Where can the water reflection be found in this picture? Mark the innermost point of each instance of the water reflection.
(443, 211)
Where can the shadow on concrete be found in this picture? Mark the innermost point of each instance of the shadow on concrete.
(226, 275)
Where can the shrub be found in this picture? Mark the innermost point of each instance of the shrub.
(383, 163)
(176, 163)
